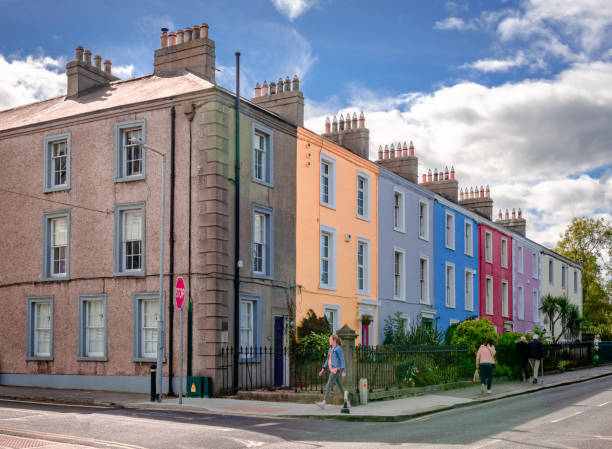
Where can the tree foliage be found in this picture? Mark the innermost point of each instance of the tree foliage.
(472, 333)
(560, 310)
(588, 241)
(399, 332)
(312, 323)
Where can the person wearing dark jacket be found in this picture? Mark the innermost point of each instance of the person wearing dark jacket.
(535, 355)
(522, 354)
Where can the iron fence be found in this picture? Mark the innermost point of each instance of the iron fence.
(387, 367)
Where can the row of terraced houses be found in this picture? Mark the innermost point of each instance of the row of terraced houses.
(321, 227)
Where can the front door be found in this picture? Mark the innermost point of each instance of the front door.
(279, 350)
(365, 334)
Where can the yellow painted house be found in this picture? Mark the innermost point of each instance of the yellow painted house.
(337, 229)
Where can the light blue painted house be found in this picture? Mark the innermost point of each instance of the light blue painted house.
(455, 263)
(405, 249)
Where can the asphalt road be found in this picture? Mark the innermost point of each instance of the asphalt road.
(574, 416)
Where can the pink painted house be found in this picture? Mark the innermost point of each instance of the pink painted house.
(495, 276)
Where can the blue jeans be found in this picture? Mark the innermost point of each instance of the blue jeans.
(334, 377)
(486, 374)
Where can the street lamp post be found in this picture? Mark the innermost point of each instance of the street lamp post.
(161, 327)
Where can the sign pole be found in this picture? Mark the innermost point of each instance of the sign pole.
(180, 297)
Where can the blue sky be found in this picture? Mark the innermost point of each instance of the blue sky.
(515, 94)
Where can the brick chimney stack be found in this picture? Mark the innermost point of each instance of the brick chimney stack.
(82, 75)
(284, 98)
(515, 223)
(400, 161)
(477, 200)
(350, 133)
(443, 183)
(189, 49)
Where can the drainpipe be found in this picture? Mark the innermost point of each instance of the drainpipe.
(237, 228)
(171, 268)
(190, 116)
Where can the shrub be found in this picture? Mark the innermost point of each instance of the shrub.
(406, 373)
(312, 323)
(450, 331)
(473, 333)
(398, 333)
(502, 370)
(312, 347)
(511, 338)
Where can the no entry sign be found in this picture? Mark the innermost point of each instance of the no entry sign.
(180, 292)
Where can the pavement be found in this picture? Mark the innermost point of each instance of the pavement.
(389, 410)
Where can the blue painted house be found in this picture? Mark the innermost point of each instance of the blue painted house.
(455, 263)
(405, 249)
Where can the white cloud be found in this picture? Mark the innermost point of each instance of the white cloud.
(123, 71)
(497, 65)
(293, 8)
(531, 140)
(31, 79)
(454, 23)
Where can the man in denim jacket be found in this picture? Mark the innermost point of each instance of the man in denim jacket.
(335, 364)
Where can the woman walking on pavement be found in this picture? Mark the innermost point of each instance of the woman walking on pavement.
(335, 364)
(485, 360)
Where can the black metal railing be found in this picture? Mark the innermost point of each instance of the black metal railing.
(605, 352)
(259, 367)
(387, 367)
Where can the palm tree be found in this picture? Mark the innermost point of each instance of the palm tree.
(549, 308)
(559, 308)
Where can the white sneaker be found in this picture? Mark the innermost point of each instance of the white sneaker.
(489, 391)
(321, 405)
(482, 388)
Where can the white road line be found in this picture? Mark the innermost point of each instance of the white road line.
(605, 403)
(485, 444)
(266, 424)
(565, 417)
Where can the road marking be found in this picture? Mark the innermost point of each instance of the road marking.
(488, 443)
(266, 424)
(51, 436)
(605, 403)
(565, 417)
(249, 443)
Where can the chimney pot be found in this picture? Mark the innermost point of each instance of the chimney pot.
(446, 173)
(264, 89)
(296, 83)
(513, 214)
(507, 215)
(429, 175)
(164, 37)
(188, 33)
(204, 31)
(279, 86)
(380, 152)
(107, 66)
(341, 123)
(386, 152)
(287, 84)
(487, 192)
(79, 53)
(172, 38)
(411, 148)
(520, 213)
(87, 57)
(481, 192)
(452, 172)
(196, 32)
(391, 152)
(347, 123)
(181, 36)
(327, 125)
(361, 120)
(98, 62)
(355, 124)
(424, 180)
(335, 124)
(257, 90)
(435, 176)
(500, 215)
(272, 88)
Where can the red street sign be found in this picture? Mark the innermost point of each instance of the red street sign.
(180, 292)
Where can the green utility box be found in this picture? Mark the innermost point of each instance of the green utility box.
(198, 387)
(194, 386)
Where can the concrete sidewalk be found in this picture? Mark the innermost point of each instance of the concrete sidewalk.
(390, 410)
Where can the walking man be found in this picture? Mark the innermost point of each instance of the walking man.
(535, 355)
(522, 354)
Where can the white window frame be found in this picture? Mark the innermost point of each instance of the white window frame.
(468, 231)
(247, 325)
(84, 354)
(361, 241)
(268, 244)
(423, 208)
(331, 181)
(267, 177)
(139, 335)
(489, 295)
(48, 273)
(534, 265)
(536, 305)
(563, 276)
(120, 156)
(335, 309)
(551, 271)
(521, 302)
(366, 195)
(424, 297)
(575, 281)
(521, 260)
(488, 246)
(331, 258)
(49, 184)
(32, 352)
(449, 287)
(469, 288)
(505, 298)
(399, 274)
(449, 233)
(504, 252)
(255, 328)
(120, 256)
(401, 213)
